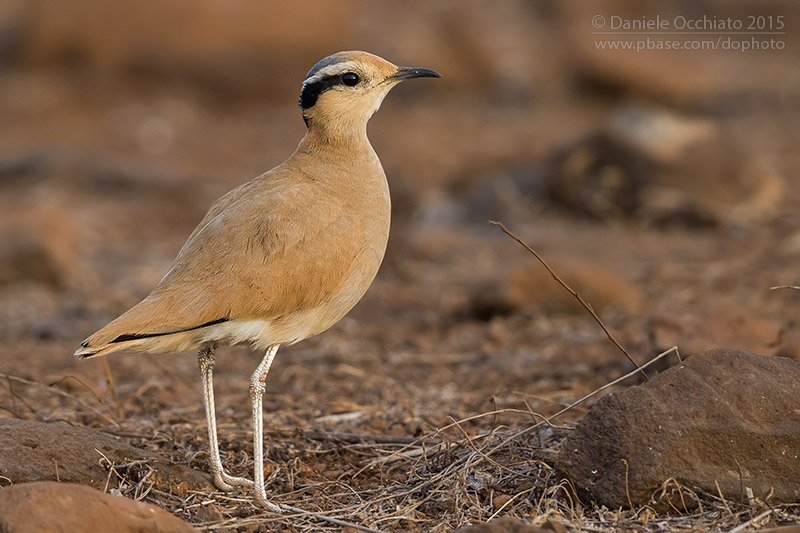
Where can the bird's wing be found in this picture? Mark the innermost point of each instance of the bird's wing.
(264, 250)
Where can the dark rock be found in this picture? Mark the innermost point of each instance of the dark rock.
(37, 451)
(24, 168)
(47, 506)
(597, 177)
(13, 32)
(723, 420)
(665, 168)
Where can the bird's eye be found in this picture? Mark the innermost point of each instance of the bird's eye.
(350, 79)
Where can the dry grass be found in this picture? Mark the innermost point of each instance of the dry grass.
(466, 472)
(463, 471)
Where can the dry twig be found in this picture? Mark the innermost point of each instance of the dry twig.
(573, 293)
(112, 387)
(60, 392)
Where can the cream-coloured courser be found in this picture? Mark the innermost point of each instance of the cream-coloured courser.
(280, 258)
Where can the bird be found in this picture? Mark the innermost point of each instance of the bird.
(282, 257)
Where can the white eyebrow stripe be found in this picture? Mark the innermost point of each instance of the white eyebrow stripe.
(331, 70)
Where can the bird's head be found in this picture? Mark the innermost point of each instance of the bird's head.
(341, 92)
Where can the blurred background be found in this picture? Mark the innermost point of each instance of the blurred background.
(661, 184)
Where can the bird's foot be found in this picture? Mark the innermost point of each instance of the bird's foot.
(227, 483)
(260, 499)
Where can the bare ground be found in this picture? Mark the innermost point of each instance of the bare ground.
(421, 410)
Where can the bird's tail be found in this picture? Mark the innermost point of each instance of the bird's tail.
(124, 333)
(88, 350)
(109, 339)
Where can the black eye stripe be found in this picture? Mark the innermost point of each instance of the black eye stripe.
(311, 91)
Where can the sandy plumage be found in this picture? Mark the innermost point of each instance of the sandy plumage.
(282, 257)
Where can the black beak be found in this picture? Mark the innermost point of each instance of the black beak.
(406, 73)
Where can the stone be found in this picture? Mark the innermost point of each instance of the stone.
(508, 524)
(598, 177)
(48, 506)
(723, 421)
(532, 287)
(782, 529)
(39, 451)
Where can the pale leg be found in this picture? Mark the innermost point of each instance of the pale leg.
(223, 481)
(257, 388)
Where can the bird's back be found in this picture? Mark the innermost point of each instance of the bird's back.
(274, 261)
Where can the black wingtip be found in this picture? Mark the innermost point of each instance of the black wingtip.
(136, 336)
(85, 354)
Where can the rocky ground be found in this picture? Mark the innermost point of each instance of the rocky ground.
(661, 186)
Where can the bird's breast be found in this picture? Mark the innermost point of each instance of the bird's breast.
(346, 229)
(363, 246)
